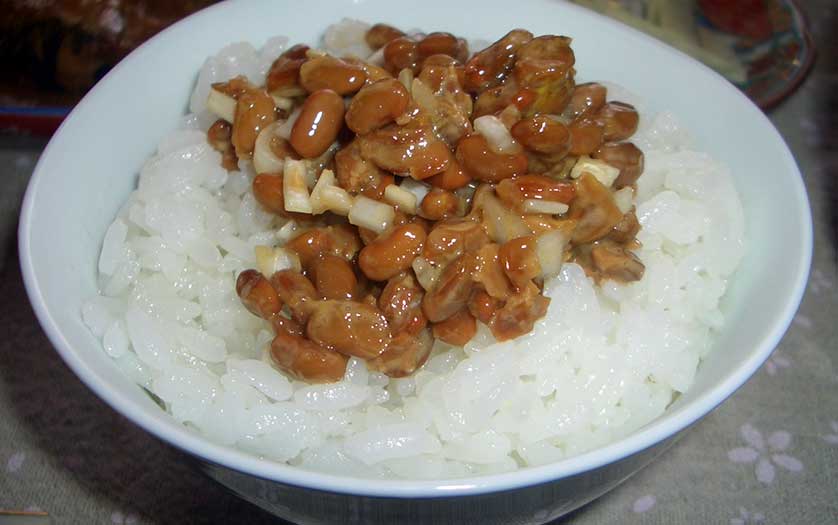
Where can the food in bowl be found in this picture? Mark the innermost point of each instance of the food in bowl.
(505, 170)
(583, 298)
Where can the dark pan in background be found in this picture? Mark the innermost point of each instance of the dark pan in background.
(53, 55)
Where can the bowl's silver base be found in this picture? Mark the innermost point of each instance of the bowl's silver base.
(533, 505)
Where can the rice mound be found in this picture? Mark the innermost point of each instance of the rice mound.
(602, 363)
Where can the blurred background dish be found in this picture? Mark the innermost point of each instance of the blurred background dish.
(53, 52)
(762, 46)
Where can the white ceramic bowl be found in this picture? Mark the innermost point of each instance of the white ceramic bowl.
(90, 166)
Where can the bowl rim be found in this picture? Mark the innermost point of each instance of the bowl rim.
(651, 434)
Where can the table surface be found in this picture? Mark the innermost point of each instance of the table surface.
(767, 455)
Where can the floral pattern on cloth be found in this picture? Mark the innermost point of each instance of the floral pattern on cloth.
(819, 282)
(644, 504)
(748, 518)
(775, 363)
(118, 518)
(15, 462)
(765, 453)
(832, 438)
(802, 321)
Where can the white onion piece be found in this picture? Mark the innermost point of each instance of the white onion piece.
(510, 116)
(501, 223)
(605, 173)
(624, 199)
(313, 52)
(294, 189)
(370, 214)
(426, 273)
(423, 95)
(285, 128)
(549, 247)
(270, 260)
(418, 188)
(465, 198)
(264, 159)
(326, 180)
(289, 230)
(403, 199)
(497, 135)
(328, 196)
(284, 103)
(377, 58)
(316, 165)
(221, 105)
(337, 200)
(542, 206)
(406, 78)
(466, 192)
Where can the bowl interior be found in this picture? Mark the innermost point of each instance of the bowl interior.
(90, 167)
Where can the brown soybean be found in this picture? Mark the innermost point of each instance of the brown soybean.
(334, 278)
(586, 99)
(306, 360)
(401, 53)
(457, 330)
(519, 260)
(481, 163)
(542, 134)
(318, 124)
(380, 34)
(351, 328)
(439, 43)
(451, 179)
(619, 121)
(377, 105)
(586, 135)
(257, 294)
(438, 204)
(326, 72)
(392, 253)
(626, 157)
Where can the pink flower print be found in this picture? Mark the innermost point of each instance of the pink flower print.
(775, 363)
(811, 131)
(118, 518)
(644, 504)
(15, 462)
(802, 321)
(748, 518)
(543, 516)
(818, 281)
(832, 439)
(765, 453)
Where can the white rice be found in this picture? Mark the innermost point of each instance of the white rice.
(604, 362)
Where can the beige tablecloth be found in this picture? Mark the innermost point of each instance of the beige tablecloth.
(767, 455)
